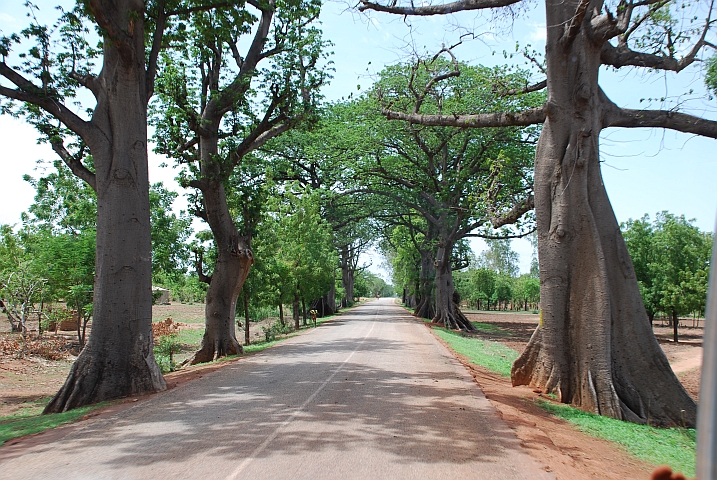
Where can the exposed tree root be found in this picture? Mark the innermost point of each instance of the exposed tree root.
(425, 308)
(96, 377)
(212, 350)
(455, 320)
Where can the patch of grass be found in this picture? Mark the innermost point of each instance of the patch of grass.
(28, 408)
(500, 312)
(659, 446)
(191, 336)
(259, 346)
(30, 420)
(491, 328)
(492, 355)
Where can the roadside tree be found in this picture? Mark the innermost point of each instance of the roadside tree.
(251, 72)
(461, 181)
(594, 344)
(118, 359)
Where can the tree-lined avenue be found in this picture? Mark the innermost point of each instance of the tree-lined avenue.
(371, 394)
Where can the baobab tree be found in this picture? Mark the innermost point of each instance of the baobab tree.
(118, 359)
(594, 347)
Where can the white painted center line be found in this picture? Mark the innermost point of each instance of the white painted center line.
(257, 451)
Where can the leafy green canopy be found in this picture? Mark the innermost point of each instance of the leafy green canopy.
(296, 256)
(245, 87)
(460, 180)
(671, 258)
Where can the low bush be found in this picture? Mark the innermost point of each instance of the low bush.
(276, 329)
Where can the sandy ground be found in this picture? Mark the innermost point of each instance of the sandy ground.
(24, 381)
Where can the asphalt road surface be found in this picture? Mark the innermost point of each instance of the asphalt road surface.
(369, 395)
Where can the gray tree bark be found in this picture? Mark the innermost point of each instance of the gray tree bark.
(234, 259)
(594, 345)
(118, 360)
(348, 272)
(426, 304)
(447, 312)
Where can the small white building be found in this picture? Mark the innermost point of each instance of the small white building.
(160, 296)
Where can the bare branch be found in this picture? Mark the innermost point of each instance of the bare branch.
(156, 46)
(226, 99)
(437, 78)
(622, 55)
(87, 81)
(74, 162)
(627, 26)
(459, 6)
(531, 116)
(186, 146)
(519, 91)
(198, 265)
(263, 137)
(25, 93)
(512, 216)
(681, 122)
(573, 28)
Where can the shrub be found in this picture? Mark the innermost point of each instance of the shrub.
(164, 351)
(276, 329)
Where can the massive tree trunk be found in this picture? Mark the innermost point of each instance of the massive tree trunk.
(118, 360)
(447, 311)
(348, 272)
(234, 259)
(426, 304)
(594, 347)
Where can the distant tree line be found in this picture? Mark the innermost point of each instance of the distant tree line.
(671, 257)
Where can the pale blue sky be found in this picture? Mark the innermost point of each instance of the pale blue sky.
(645, 170)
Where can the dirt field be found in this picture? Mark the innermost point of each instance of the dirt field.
(26, 381)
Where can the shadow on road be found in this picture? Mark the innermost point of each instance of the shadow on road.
(229, 412)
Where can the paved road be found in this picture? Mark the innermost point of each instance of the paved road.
(370, 395)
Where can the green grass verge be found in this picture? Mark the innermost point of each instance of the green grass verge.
(491, 355)
(501, 312)
(659, 446)
(259, 346)
(491, 328)
(191, 336)
(30, 420)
